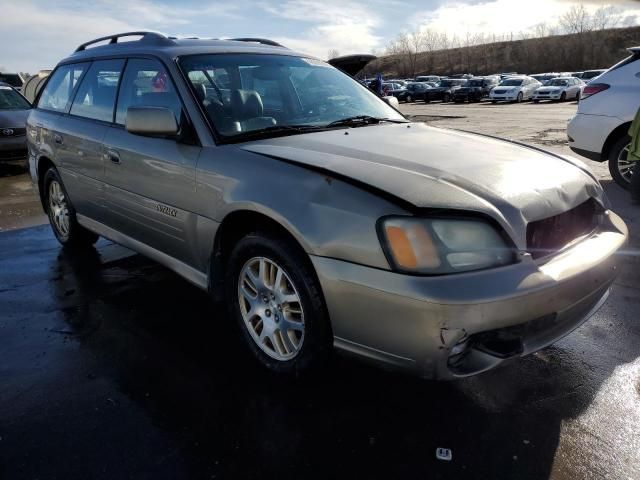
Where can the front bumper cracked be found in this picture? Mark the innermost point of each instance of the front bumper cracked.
(437, 327)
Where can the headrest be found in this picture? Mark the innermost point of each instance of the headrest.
(246, 104)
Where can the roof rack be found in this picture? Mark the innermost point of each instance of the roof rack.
(146, 36)
(263, 41)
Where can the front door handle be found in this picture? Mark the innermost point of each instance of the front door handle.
(113, 156)
(57, 138)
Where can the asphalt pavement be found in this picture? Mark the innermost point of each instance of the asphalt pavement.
(113, 367)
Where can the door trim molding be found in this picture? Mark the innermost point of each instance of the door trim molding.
(192, 275)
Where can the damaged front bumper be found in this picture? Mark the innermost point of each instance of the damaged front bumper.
(458, 325)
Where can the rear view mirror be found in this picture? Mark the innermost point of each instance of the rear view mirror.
(391, 101)
(152, 121)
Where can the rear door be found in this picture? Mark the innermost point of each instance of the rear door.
(90, 115)
(150, 181)
(73, 142)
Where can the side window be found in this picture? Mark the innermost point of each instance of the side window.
(59, 91)
(146, 83)
(96, 95)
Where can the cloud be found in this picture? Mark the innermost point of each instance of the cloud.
(37, 34)
(500, 17)
(344, 26)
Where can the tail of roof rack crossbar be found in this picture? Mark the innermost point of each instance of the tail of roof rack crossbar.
(154, 37)
(264, 41)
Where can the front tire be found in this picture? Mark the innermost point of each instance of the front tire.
(563, 97)
(520, 97)
(277, 303)
(446, 98)
(62, 215)
(408, 99)
(619, 167)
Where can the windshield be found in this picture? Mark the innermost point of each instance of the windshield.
(251, 93)
(511, 83)
(476, 83)
(558, 83)
(12, 100)
(12, 79)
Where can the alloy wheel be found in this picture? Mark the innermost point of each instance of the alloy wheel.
(58, 209)
(271, 308)
(625, 167)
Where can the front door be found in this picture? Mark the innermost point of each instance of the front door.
(150, 181)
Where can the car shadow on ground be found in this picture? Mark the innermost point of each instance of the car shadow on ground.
(116, 367)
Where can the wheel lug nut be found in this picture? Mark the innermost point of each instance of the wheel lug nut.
(277, 318)
(273, 297)
(268, 313)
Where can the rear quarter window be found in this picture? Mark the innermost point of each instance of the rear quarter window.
(61, 87)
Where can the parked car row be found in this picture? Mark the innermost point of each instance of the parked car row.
(516, 88)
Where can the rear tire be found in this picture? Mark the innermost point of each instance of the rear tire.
(285, 325)
(563, 97)
(520, 97)
(62, 215)
(619, 166)
(446, 98)
(408, 99)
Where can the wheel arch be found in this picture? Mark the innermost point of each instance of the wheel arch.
(44, 164)
(234, 226)
(613, 137)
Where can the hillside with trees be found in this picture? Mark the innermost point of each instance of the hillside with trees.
(579, 41)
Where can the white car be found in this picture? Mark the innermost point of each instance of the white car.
(514, 89)
(559, 89)
(599, 131)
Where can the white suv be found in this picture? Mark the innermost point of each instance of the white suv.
(599, 131)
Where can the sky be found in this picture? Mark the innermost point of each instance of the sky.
(36, 34)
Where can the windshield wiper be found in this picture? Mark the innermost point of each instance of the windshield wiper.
(360, 120)
(276, 129)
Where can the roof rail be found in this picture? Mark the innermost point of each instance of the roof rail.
(146, 36)
(263, 41)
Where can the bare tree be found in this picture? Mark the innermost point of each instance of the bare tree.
(576, 20)
(605, 17)
(333, 53)
(540, 30)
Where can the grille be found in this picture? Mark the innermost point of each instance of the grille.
(13, 154)
(551, 234)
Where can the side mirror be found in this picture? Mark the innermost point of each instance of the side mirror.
(392, 102)
(151, 121)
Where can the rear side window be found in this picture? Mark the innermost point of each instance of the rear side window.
(96, 95)
(60, 88)
(146, 83)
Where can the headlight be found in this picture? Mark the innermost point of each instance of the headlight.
(443, 245)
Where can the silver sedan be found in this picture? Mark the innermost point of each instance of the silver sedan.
(560, 89)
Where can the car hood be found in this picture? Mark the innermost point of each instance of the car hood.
(13, 118)
(434, 168)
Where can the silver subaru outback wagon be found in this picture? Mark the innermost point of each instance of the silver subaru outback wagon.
(315, 210)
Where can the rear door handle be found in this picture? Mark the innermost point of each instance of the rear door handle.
(57, 138)
(113, 156)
